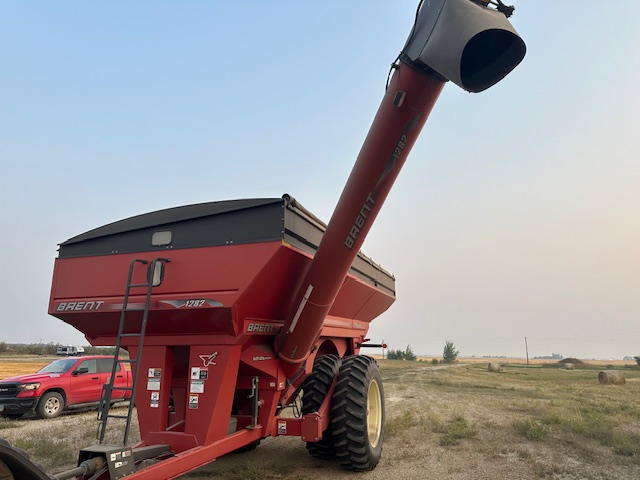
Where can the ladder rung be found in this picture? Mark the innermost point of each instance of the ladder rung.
(103, 414)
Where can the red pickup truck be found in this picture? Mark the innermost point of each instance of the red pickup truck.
(64, 383)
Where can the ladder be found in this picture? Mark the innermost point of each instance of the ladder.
(155, 274)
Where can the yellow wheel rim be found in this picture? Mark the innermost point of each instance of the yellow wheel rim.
(374, 413)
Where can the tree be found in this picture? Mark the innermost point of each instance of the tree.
(449, 354)
(408, 354)
(394, 354)
(637, 359)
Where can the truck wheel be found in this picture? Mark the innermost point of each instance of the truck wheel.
(50, 405)
(315, 389)
(358, 414)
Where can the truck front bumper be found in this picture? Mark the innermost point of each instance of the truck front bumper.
(17, 406)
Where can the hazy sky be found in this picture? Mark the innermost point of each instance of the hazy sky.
(517, 213)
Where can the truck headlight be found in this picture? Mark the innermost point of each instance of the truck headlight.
(28, 387)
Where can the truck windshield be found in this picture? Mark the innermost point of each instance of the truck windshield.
(59, 366)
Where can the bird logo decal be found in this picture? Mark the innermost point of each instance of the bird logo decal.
(209, 359)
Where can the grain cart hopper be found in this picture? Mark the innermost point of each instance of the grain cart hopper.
(229, 309)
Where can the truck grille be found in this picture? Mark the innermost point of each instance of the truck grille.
(8, 390)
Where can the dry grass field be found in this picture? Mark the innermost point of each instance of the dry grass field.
(443, 422)
(21, 365)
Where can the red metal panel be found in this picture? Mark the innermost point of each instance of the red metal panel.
(362, 304)
(271, 290)
(224, 271)
(201, 289)
(154, 388)
(210, 399)
(195, 457)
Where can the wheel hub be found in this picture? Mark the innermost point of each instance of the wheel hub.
(52, 406)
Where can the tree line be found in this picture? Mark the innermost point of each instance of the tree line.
(449, 354)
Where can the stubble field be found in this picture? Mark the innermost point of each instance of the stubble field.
(443, 422)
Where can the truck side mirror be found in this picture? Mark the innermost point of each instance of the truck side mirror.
(465, 41)
(80, 371)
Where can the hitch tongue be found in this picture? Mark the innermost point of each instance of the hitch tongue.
(88, 467)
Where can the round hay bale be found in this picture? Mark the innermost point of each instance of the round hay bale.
(611, 377)
(575, 361)
(494, 367)
(569, 366)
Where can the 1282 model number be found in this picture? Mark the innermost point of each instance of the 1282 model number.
(194, 303)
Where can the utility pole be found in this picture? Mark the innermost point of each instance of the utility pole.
(526, 347)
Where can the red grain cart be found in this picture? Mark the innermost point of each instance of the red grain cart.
(230, 309)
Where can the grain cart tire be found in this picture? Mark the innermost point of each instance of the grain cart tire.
(358, 414)
(5, 473)
(315, 389)
(15, 464)
(50, 405)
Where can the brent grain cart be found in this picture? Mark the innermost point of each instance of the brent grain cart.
(230, 309)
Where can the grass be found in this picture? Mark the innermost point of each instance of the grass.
(50, 448)
(455, 430)
(533, 430)
(400, 423)
(273, 471)
(10, 368)
(561, 409)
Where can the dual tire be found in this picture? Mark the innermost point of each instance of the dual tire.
(356, 433)
(315, 389)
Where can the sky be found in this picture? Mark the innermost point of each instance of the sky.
(517, 214)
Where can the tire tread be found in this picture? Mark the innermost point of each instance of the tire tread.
(315, 389)
(349, 415)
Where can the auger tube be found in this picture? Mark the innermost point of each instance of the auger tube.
(464, 41)
(404, 109)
